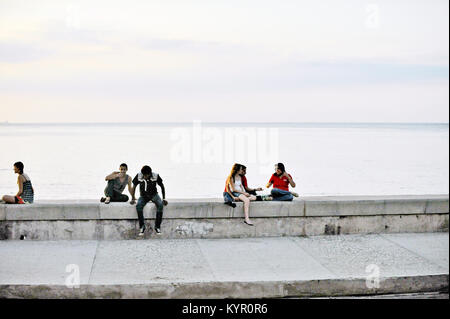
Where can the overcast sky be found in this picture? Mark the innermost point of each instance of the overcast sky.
(224, 61)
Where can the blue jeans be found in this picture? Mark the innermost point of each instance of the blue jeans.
(281, 195)
(159, 209)
(227, 197)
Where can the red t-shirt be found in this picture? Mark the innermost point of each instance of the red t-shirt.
(244, 183)
(280, 183)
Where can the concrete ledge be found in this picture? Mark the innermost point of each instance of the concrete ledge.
(210, 218)
(2, 212)
(305, 207)
(220, 289)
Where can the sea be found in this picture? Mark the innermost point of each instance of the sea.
(70, 161)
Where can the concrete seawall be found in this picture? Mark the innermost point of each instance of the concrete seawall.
(90, 220)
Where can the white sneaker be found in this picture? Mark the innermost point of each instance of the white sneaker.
(294, 194)
(142, 231)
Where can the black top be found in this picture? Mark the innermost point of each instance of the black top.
(147, 187)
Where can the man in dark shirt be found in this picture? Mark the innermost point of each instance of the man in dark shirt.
(147, 181)
(251, 191)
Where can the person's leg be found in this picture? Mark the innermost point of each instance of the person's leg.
(281, 195)
(9, 199)
(246, 202)
(140, 210)
(260, 198)
(159, 210)
(109, 191)
(228, 200)
(119, 197)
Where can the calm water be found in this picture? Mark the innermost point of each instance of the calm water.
(70, 161)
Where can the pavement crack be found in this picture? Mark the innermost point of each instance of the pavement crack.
(93, 262)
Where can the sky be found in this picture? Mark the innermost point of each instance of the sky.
(224, 61)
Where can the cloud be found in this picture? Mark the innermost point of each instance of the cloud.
(22, 52)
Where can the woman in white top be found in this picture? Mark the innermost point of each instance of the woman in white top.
(237, 191)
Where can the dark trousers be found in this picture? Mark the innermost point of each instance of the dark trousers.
(142, 201)
(113, 194)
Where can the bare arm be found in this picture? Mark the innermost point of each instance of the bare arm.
(230, 186)
(248, 189)
(131, 189)
(291, 181)
(20, 182)
(237, 191)
(112, 176)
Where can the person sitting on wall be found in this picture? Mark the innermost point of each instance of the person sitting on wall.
(235, 190)
(116, 185)
(252, 191)
(147, 181)
(281, 181)
(25, 195)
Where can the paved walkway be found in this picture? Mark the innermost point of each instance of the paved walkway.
(163, 261)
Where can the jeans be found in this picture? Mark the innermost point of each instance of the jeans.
(281, 195)
(113, 194)
(227, 197)
(142, 201)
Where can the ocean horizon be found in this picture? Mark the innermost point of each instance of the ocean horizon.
(70, 160)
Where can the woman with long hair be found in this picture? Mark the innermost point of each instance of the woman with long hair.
(25, 195)
(235, 190)
(281, 181)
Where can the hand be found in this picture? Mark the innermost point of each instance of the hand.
(165, 202)
(246, 194)
(132, 202)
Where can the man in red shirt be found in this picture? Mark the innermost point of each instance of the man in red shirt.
(281, 181)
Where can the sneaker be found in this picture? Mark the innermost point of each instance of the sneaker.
(102, 200)
(158, 231)
(142, 231)
(294, 194)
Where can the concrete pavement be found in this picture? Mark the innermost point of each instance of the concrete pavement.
(219, 268)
